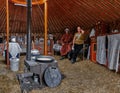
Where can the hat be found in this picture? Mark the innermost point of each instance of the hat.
(67, 29)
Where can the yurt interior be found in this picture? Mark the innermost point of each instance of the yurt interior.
(59, 46)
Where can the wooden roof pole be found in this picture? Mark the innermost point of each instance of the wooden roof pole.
(7, 30)
(46, 26)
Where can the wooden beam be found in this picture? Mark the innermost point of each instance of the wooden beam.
(46, 27)
(7, 30)
(33, 3)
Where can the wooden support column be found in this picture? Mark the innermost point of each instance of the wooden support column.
(46, 27)
(7, 31)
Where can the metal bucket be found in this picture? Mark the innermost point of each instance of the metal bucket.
(34, 54)
(14, 64)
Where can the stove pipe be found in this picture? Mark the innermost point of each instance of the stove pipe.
(29, 11)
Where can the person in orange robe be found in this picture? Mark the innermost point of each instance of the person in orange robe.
(66, 42)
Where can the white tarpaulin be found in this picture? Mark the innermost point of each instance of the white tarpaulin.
(113, 51)
(101, 50)
(14, 49)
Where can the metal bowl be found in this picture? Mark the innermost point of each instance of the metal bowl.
(45, 59)
(34, 51)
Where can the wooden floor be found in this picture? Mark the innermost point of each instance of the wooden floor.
(81, 77)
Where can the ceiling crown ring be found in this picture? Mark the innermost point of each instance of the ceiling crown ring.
(24, 2)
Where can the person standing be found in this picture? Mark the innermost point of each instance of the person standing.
(66, 42)
(78, 42)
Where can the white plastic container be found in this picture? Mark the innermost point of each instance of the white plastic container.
(14, 64)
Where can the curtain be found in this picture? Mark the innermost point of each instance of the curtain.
(113, 51)
(101, 50)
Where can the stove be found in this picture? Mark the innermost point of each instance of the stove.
(41, 72)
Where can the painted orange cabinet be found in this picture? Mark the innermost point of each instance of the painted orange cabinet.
(93, 48)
